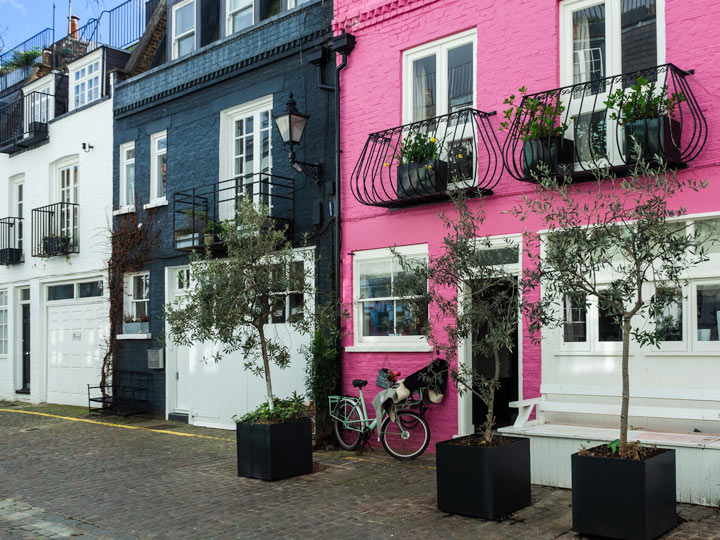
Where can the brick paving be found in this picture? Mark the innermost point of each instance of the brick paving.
(65, 479)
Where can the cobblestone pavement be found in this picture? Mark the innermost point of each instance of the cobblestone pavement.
(73, 479)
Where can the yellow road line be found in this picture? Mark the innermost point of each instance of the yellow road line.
(179, 434)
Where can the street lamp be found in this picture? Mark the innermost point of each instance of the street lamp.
(291, 125)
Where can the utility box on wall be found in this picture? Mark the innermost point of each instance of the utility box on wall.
(156, 359)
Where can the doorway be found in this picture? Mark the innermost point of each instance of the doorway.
(24, 341)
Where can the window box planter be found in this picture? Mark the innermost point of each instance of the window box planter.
(136, 327)
(558, 153)
(10, 256)
(274, 451)
(56, 245)
(480, 481)
(623, 498)
(421, 179)
(659, 136)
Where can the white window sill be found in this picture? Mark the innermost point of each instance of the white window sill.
(124, 210)
(133, 336)
(156, 203)
(390, 347)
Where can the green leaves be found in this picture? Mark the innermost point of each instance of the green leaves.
(536, 116)
(614, 446)
(417, 147)
(284, 410)
(641, 101)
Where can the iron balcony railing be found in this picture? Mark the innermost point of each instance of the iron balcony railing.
(575, 130)
(11, 240)
(24, 122)
(39, 41)
(197, 211)
(424, 161)
(55, 230)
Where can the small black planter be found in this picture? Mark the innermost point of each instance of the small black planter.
(623, 498)
(479, 481)
(10, 256)
(421, 179)
(56, 245)
(659, 136)
(274, 451)
(557, 153)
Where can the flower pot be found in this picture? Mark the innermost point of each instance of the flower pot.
(274, 451)
(557, 153)
(659, 136)
(483, 481)
(623, 498)
(56, 245)
(10, 256)
(136, 327)
(421, 179)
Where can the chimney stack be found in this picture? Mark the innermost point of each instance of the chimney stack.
(74, 25)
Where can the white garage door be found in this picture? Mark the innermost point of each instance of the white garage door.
(76, 342)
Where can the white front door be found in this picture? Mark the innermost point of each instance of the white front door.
(178, 372)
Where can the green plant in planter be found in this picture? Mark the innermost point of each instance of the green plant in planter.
(285, 410)
(420, 171)
(642, 102)
(417, 148)
(538, 118)
(22, 59)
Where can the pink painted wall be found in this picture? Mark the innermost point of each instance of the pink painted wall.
(517, 45)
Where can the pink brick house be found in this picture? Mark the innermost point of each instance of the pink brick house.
(425, 61)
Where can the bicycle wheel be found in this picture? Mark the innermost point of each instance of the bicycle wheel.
(348, 432)
(406, 438)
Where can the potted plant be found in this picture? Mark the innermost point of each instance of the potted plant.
(537, 122)
(136, 325)
(56, 244)
(483, 474)
(614, 245)
(230, 304)
(645, 112)
(420, 172)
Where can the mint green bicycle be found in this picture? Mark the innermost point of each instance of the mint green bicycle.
(405, 437)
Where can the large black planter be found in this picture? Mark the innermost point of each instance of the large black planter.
(274, 451)
(659, 136)
(623, 498)
(479, 481)
(10, 256)
(556, 153)
(56, 245)
(422, 179)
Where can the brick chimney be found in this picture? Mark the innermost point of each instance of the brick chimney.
(73, 26)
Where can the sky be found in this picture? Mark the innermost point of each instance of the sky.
(22, 19)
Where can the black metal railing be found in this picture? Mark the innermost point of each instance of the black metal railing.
(16, 76)
(580, 128)
(423, 161)
(24, 122)
(55, 230)
(39, 41)
(11, 241)
(197, 211)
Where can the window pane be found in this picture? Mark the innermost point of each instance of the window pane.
(460, 77)
(496, 256)
(591, 136)
(269, 8)
(141, 289)
(61, 292)
(424, 71)
(161, 175)
(671, 319)
(575, 326)
(378, 318)
(297, 307)
(375, 279)
(141, 311)
(184, 18)
(3, 298)
(242, 19)
(708, 312)
(639, 35)
(186, 45)
(278, 309)
(93, 288)
(708, 232)
(589, 44)
(407, 321)
(25, 295)
(130, 183)
(609, 328)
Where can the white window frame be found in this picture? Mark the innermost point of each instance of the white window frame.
(130, 302)
(382, 343)
(5, 324)
(75, 68)
(125, 205)
(295, 3)
(17, 209)
(155, 198)
(193, 31)
(229, 30)
(439, 48)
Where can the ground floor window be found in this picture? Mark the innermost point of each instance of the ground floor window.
(137, 297)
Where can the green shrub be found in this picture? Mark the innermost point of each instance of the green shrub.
(322, 370)
(285, 410)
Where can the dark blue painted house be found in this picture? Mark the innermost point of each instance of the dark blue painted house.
(193, 128)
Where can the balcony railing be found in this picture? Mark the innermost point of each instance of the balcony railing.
(25, 122)
(197, 211)
(578, 129)
(55, 230)
(11, 241)
(39, 41)
(424, 161)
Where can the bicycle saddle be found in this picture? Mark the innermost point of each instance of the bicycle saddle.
(359, 383)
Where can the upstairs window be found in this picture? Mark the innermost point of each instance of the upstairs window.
(158, 166)
(86, 84)
(240, 15)
(183, 28)
(127, 175)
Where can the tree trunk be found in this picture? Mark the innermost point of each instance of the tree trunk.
(490, 419)
(625, 386)
(266, 365)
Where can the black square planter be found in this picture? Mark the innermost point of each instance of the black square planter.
(480, 481)
(624, 498)
(557, 153)
(56, 245)
(274, 451)
(659, 136)
(422, 179)
(10, 256)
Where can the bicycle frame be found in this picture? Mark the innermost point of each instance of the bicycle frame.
(365, 423)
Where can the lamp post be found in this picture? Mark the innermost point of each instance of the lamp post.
(291, 125)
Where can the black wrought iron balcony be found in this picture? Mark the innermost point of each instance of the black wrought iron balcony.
(55, 230)
(424, 161)
(24, 122)
(197, 211)
(11, 241)
(575, 130)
